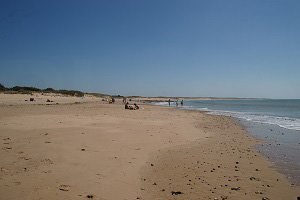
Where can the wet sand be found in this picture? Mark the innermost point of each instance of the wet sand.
(281, 146)
(95, 150)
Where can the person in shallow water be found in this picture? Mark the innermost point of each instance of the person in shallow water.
(169, 101)
(181, 103)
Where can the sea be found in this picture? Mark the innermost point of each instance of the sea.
(274, 121)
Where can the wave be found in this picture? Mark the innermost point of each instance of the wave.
(284, 122)
(193, 108)
(161, 103)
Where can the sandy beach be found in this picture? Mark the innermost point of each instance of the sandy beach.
(84, 148)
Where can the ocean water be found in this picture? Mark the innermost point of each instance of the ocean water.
(284, 113)
(276, 122)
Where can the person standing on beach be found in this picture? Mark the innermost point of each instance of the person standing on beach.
(169, 102)
(177, 103)
(181, 102)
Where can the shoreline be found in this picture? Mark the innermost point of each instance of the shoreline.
(193, 174)
(274, 145)
(280, 146)
(70, 151)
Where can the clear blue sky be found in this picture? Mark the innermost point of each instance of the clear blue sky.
(242, 48)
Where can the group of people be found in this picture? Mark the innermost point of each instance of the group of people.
(128, 106)
(112, 101)
(131, 107)
(176, 102)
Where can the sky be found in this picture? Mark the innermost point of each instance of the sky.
(232, 48)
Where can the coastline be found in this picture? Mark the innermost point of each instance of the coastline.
(280, 135)
(70, 151)
(280, 146)
(224, 166)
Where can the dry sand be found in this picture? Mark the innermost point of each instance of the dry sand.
(95, 150)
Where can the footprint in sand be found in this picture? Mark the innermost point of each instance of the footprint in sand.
(46, 171)
(6, 143)
(17, 183)
(5, 171)
(64, 188)
(47, 161)
(24, 158)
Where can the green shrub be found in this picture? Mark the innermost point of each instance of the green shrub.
(71, 93)
(49, 90)
(20, 88)
(29, 90)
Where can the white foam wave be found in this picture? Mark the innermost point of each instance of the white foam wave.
(161, 103)
(193, 108)
(284, 122)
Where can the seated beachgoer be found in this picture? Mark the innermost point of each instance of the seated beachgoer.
(136, 107)
(131, 107)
